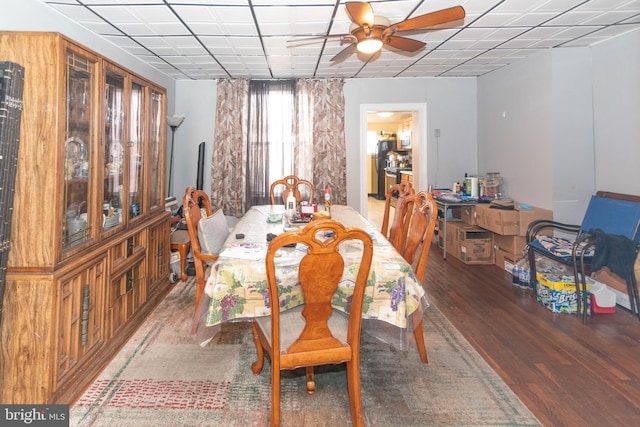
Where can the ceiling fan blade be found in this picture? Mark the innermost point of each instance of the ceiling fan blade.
(403, 43)
(429, 19)
(360, 13)
(344, 53)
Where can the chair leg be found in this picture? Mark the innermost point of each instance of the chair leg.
(256, 367)
(418, 334)
(311, 382)
(197, 313)
(355, 397)
(632, 291)
(275, 396)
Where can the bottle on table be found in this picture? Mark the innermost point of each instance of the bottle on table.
(290, 204)
(327, 199)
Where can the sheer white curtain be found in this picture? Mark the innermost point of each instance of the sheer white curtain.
(271, 138)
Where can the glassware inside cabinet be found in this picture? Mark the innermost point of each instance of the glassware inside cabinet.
(155, 147)
(136, 149)
(114, 155)
(80, 75)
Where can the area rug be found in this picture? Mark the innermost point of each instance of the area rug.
(165, 377)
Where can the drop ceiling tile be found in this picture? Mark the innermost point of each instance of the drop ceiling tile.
(493, 34)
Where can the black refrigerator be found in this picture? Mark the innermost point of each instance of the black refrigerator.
(384, 146)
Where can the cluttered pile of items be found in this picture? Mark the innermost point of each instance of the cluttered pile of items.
(473, 188)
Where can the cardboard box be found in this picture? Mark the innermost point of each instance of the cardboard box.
(527, 216)
(500, 221)
(468, 214)
(512, 245)
(558, 293)
(503, 258)
(469, 243)
(451, 233)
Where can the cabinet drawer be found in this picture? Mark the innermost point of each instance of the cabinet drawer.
(126, 249)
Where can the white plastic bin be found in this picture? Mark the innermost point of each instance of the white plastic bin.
(603, 299)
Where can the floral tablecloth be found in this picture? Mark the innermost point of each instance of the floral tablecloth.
(237, 285)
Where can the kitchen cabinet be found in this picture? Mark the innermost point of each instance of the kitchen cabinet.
(89, 248)
(404, 135)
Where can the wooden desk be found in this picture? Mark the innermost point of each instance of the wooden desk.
(180, 241)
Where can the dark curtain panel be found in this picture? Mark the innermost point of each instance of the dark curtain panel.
(270, 138)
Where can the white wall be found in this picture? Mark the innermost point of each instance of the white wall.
(536, 130)
(563, 124)
(514, 129)
(616, 100)
(196, 99)
(572, 134)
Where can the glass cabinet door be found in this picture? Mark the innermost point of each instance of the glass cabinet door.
(78, 153)
(137, 106)
(156, 113)
(114, 155)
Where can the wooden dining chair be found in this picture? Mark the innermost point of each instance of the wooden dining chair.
(290, 183)
(416, 245)
(203, 255)
(401, 219)
(315, 334)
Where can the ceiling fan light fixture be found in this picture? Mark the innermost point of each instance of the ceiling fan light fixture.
(369, 45)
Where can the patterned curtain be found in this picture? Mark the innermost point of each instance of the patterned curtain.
(228, 163)
(319, 148)
(321, 152)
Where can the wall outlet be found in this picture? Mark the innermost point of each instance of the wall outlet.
(437, 133)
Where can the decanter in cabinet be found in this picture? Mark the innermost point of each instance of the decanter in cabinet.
(89, 249)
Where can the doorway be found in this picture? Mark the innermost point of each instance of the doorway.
(418, 151)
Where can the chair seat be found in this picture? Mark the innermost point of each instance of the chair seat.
(557, 251)
(292, 322)
(558, 246)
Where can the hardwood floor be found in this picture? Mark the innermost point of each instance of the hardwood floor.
(566, 372)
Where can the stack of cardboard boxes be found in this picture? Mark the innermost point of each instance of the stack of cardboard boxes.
(509, 228)
(481, 234)
(465, 240)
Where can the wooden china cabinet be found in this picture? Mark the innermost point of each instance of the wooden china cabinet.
(89, 254)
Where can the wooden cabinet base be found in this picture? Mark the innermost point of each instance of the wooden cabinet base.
(57, 334)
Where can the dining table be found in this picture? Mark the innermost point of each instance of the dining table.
(237, 284)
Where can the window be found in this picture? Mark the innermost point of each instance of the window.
(270, 139)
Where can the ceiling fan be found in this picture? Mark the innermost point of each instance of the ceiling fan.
(369, 32)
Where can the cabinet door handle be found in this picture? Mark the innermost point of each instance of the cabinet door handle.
(84, 324)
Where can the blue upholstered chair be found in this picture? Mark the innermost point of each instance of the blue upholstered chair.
(609, 217)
